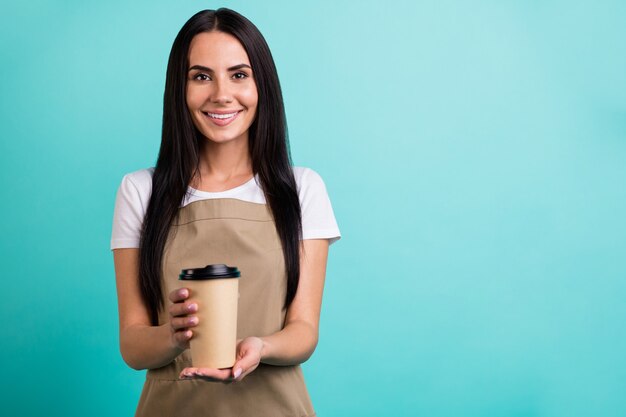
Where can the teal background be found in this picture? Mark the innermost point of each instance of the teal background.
(475, 156)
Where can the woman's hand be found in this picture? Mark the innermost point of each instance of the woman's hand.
(181, 319)
(247, 360)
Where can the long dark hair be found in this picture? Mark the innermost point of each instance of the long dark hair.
(178, 159)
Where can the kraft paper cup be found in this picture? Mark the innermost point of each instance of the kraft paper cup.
(215, 288)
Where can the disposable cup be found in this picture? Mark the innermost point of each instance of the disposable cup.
(215, 288)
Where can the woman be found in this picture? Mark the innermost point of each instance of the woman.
(222, 191)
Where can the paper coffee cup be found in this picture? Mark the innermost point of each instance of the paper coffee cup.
(215, 288)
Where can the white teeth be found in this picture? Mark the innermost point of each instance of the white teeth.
(221, 116)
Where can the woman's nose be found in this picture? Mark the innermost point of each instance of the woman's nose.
(221, 93)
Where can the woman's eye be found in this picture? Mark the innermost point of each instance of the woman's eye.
(240, 75)
(201, 77)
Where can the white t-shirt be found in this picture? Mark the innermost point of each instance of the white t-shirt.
(133, 196)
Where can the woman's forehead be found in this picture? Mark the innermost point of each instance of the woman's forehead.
(218, 49)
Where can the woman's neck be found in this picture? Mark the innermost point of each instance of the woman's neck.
(223, 165)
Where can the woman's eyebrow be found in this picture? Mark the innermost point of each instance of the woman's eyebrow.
(207, 69)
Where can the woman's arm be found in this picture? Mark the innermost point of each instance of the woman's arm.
(295, 343)
(142, 345)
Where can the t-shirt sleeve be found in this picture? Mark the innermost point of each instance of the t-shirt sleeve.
(318, 218)
(131, 203)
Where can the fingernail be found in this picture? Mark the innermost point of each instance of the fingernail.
(192, 307)
(193, 320)
(238, 372)
(184, 293)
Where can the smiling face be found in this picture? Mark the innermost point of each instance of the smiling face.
(221, 93)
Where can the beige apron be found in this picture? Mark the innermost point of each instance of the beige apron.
(242, 234)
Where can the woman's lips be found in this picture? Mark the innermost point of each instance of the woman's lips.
(221, 119)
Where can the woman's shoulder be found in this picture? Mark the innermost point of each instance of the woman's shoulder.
(131, 202)
(318, 218)
(141, 177)
(139, 180)
(136, 186)
(309, 183)
(306, 177)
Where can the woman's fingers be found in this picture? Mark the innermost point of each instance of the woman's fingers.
(208, 374)
(180, 330)
(182, 338)
(181, 319)
(182, 309)
(243, 367)
(248, 357)
(181, 306)
(178, 323)
(220, 374)
(179, 295)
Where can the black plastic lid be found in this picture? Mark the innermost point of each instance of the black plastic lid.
(217, 271)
